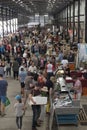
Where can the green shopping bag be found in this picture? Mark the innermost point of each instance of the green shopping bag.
(7, 103)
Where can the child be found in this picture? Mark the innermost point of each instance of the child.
(19, 106)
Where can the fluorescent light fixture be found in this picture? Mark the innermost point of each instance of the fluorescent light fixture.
(46, 15)
(36, 15)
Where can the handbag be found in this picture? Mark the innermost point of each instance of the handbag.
(7, 103)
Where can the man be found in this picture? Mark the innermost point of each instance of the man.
(32, 68)
(35, 107)
(22, 76)
(15, 68)
(3, 92)
(29, 83)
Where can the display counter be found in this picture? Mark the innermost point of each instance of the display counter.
(64, 107)
(64, 114)
(67, 114)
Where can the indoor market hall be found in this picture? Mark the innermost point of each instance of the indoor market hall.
(43, 64)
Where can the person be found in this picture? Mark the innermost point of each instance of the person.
(71, 57)
(29, 83)
(1, 68)
(15, 69)
(77, 87)
(3, 93)
(32, 68)
(8, 69)
(64, 61)
(49, 84)
(19, 106)
(67, 70)
(22, 76)
(49, 69)
(35, 107)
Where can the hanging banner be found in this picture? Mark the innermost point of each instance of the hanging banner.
(82, 52)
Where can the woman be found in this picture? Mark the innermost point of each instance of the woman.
(77, 87)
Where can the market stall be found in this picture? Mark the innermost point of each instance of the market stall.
(64, 106)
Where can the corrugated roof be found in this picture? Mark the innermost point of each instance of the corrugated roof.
(30, 7)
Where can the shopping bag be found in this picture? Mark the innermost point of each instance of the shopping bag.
(7, 103)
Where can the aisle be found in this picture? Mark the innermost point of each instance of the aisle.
(8, 122)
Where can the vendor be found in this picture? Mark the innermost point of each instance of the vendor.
(67, 70)
(77, 87)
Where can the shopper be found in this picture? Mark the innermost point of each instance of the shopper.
(29, 84)
(22, 76)
(3, 93)
(19, 107)
(35, 107)
(15, 66)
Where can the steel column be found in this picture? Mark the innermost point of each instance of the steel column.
(70, 14)
(2, 16)
(73, 19)
(67, 19)
(78, 21)
(86, 21)
(7, 19)
(10, 20)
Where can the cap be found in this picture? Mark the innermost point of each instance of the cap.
(18, 97)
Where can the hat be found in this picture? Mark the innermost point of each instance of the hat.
(18, 97)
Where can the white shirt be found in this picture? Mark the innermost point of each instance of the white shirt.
(49, 68)
(32, 69)
(15, 49)
(18, 109)
(25, 55)
(21, 67)
(64, 62)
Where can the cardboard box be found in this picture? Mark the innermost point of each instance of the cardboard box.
(39, 100)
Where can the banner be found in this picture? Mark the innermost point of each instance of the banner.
(82, 52)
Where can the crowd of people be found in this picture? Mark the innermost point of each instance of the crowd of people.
(33, 63)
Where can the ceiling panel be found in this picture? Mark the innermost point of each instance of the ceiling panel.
(30, 7)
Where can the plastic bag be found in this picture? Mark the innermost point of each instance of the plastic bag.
(7, 103)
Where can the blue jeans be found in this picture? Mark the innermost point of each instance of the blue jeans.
(36, 114)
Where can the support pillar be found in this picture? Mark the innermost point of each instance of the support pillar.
(70, 14)
(86, 21)
(10, 20)
(78, 21)
(67, 19)
(73, 19)
(7, 20)
(2, 17)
